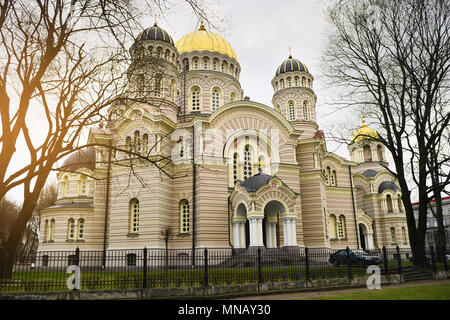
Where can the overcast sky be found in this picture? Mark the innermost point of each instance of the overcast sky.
(261, 32)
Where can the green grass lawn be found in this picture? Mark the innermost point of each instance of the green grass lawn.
(432, 292)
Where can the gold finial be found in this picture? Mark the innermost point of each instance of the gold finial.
(290, 54)
(362, 119)
(202, 26)
(156, 22)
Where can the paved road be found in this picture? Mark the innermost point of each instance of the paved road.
(312, 294)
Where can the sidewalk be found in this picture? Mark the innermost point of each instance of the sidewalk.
(313, 294)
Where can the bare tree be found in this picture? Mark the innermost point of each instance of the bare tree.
(392, 59)
(66, 61)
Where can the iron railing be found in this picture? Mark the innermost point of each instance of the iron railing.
(158, 268)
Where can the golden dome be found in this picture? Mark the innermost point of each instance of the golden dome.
(364, 132)
(201, 40)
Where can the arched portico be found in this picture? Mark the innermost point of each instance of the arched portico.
(365, 230)
(263, 207)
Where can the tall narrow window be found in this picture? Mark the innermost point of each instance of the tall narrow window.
(128, 144)
(145, 144)
(52, 229)
(46, 231)
(137, 142)
(332, 226)
(367, 153)
(215, 62)
(296, 81)
(389, 203)
(140, 84)
(380, 153)
(405, 241)
(205, 63)
(195, 62)
(393, 235)
(289, 83)
(291, 107)
(341, 227)
(247, 163)
(215, 98)
(333, 178)
(158, 79)
(65, 186)
(303, 81)
(80, 229)
(184, 217)
(83, 185)
(235, 167)
(71, 229)
(327, 176)
(134, 216)
(233, 97)
(306, 110)
(399, 203)
(195, 99)
(282, 84)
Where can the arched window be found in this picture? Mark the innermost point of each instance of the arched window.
(215, 63)
(46, 231)
(303, 81)
(247, 173)
(128, 144)
(380, 153)
(140, 84)
(134, 216)
(231, 69)
(52, 229)
(235, 167)
(205, 63)
(400, 203)
(328, 176)
(80, 229)
(389, 203)
(296, 81)
(185, 216)
(215, 98)
(306, 110)
(278, 108)
(65, 186)
(145, 144)
(333, 178)
(178, 98)
(291, 108)
(393, 235)
(195, 63)
(173, 95)
(282, 84)
(137, 142)
(405, 239)
(341, 227)
(158, 78)
(289, 82)
(83, 185)
(332, 226)
(233, 97)
(195, 98)
(71, 229)
(181, 149)
(309, 83)
(367, 153)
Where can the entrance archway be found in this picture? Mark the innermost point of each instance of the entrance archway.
(270, 224)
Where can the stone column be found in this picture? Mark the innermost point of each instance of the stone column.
(290, 232)
(256, 235)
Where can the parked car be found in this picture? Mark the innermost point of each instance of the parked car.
(355, 257)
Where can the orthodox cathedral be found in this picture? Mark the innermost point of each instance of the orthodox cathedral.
(185, 153)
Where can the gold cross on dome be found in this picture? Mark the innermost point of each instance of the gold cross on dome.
(290, 54)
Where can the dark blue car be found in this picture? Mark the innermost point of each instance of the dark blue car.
(355, 257)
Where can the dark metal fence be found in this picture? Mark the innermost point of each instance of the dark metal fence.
(154, 268)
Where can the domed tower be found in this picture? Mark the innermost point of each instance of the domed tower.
(365, 149)
(294, 96)
(153, 74)
(211, 77)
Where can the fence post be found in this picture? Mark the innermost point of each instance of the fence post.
(77, 256)
(385, 260)
(259, 267)
(433, 262)
(144, 269)
(206, 268)
(349, 268)
(399, 261)
(307, 263)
